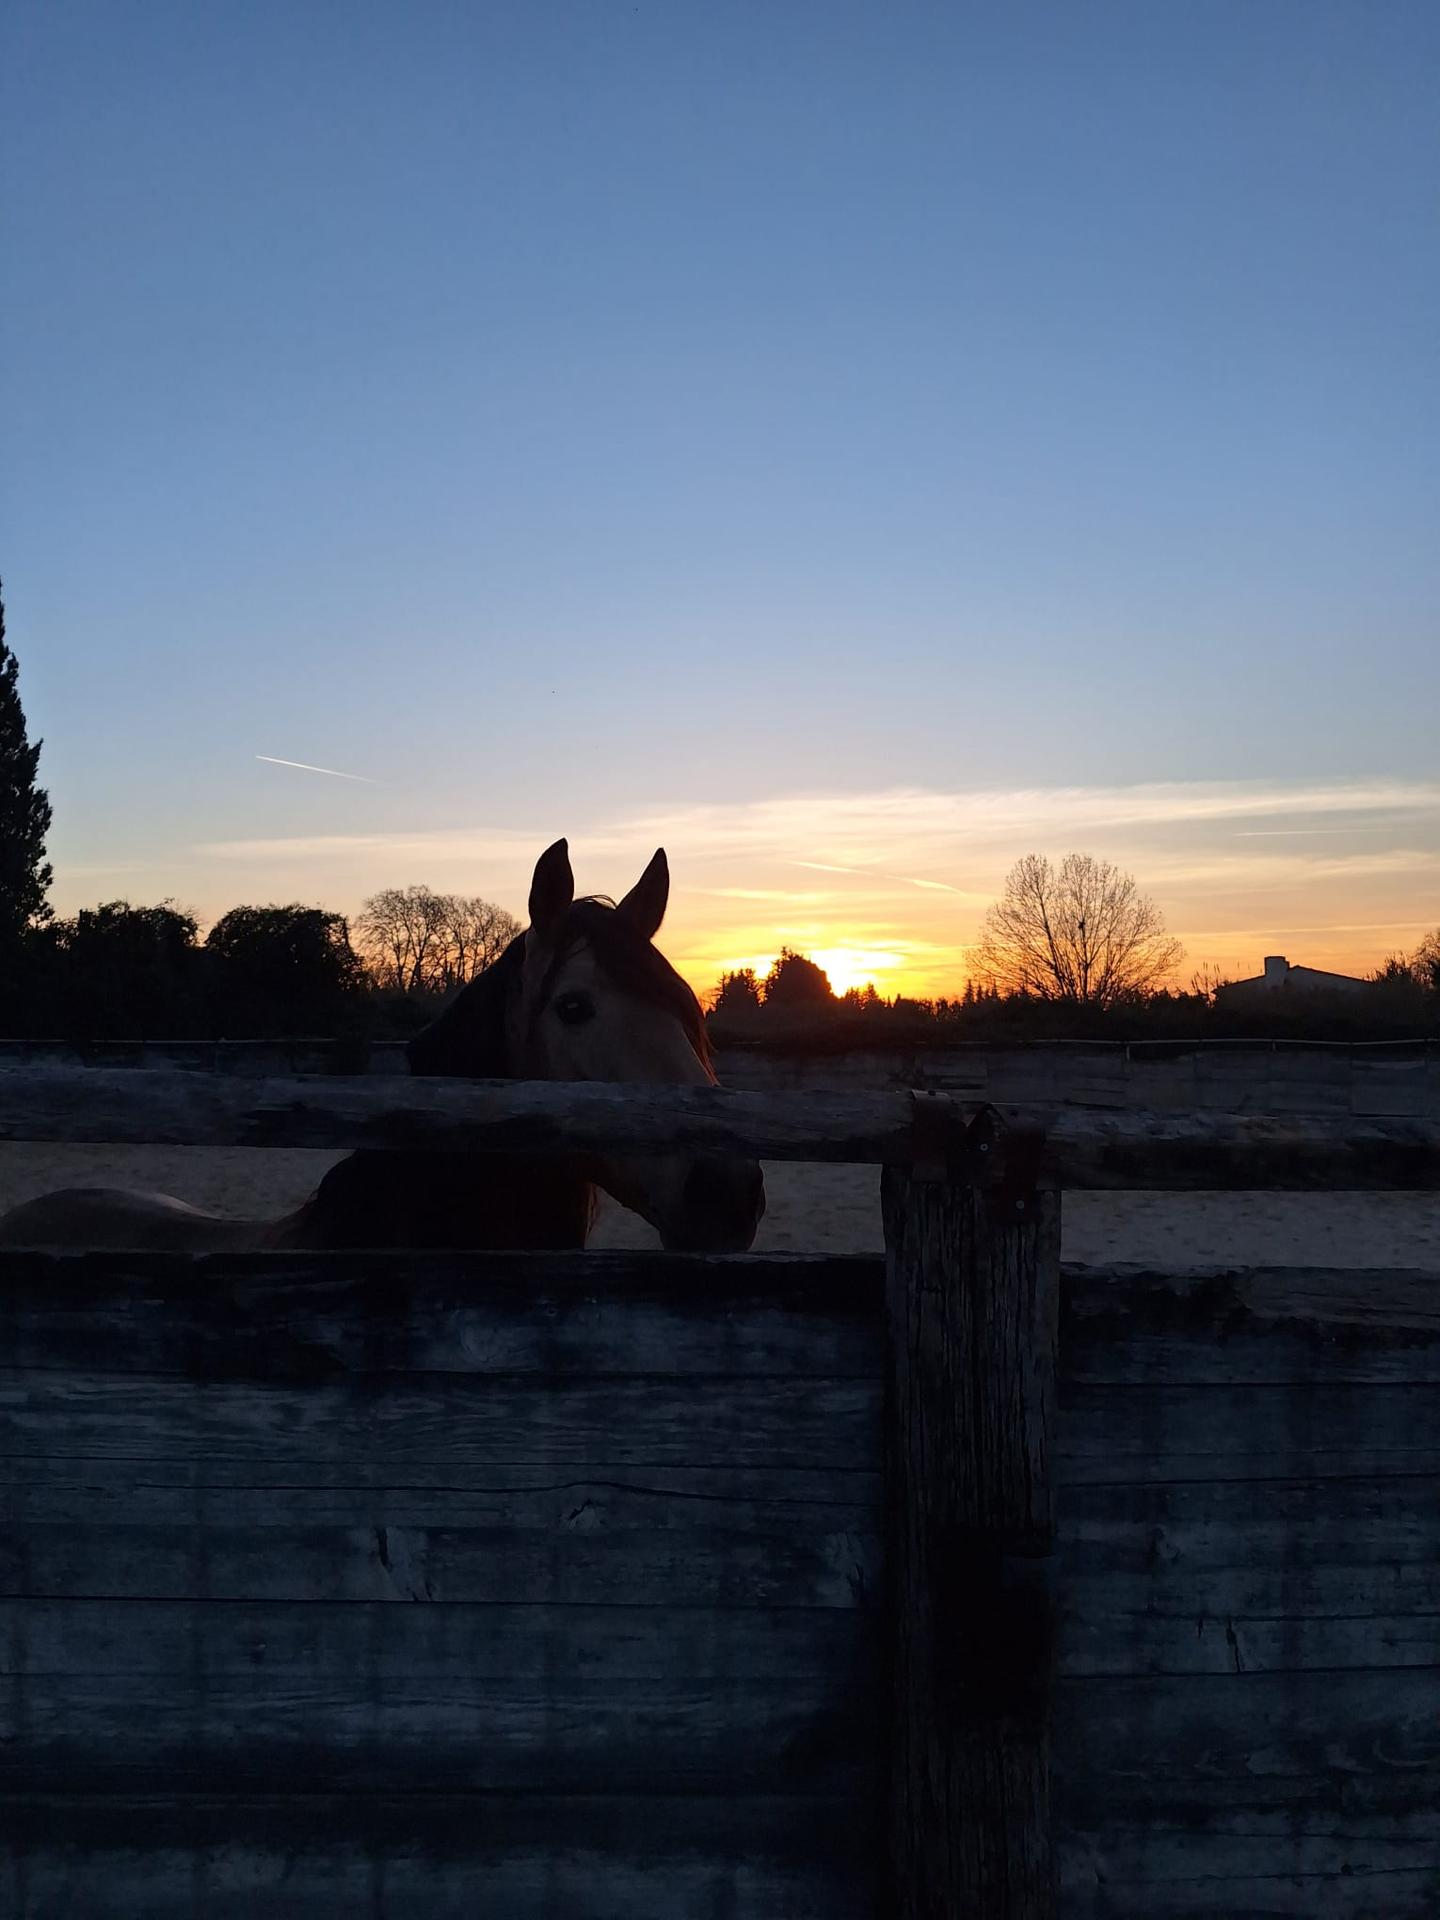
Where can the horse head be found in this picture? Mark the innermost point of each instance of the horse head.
(584, 994)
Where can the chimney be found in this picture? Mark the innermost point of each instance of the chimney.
(1276, 969)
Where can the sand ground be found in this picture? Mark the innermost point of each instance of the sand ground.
(830, 1209)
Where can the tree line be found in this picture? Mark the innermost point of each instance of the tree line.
(1067, 951)
(1073, 951)
(119, 972)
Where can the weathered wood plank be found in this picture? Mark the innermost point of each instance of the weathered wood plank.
(1189, 1628)
(467, 1422)
(1297, 1826)
(1206, 1152)
(252, 1058)
(1237, 1577)
(1189, 1529)
(1175, 1747)
(86, 1489)
(1169, 1433)
(186, 1646)
(435, 1479)
(1254, 1864)
(373, 1733)
(396, 1563)
(1322, 1842)
(973, 1303)
(1249, 1326)
(1124, 1150)
(283, 1316)
(1397, 1794)
(307, 1856)
(510, 1116)
(1230, 1593)
(1380, 1894)
(576, 1554)
(576, 1541)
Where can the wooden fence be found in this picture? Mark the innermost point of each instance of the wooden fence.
(643, 1585)
(1329, 1079)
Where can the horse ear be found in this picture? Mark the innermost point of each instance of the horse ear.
(471, 1037)
(644, 905)
(552, 890)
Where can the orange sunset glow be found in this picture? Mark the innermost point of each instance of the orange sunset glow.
(892, 886)
(845, 967)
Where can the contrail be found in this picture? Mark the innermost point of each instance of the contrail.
(305, 767)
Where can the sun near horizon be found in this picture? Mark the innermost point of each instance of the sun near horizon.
(889, 886)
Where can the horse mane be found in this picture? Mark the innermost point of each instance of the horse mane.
(470, 1036)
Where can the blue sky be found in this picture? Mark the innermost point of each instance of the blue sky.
(603, 419)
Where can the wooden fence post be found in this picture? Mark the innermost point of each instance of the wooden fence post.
(973, 1265)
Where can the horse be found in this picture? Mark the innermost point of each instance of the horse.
(582, 994)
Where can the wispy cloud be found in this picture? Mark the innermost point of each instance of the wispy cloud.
(1265, 872)
(779, 896)
(855, 828)
(303, 766)
(443, 847)
(72, 869)
(1307, 933)
(868, 873)
(914, 868)
(869, 834)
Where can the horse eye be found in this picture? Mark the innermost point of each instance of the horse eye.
(575, 1009)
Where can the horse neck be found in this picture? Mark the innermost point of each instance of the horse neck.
(453, 1200)
(409, 1199)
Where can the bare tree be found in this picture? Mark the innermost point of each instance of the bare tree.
(414, 940)
(1425, 962)
(476, 932)
(1080, 932)
(1419, 970)
(396, 934)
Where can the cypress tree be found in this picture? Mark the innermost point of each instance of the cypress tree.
(25, 873)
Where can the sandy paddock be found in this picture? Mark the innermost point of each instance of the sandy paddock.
(831, 1209)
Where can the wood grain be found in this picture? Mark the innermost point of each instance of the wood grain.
(301, 1855)
(283, 1316)
(1113, 1149)
(973, 1302)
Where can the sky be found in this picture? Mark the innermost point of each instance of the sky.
(851, 445)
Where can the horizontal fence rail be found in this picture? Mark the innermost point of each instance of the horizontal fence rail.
(1115, 1150)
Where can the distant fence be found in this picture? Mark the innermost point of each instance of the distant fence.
(646, 1585)
(1326, 1078)
(1222, 1076)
